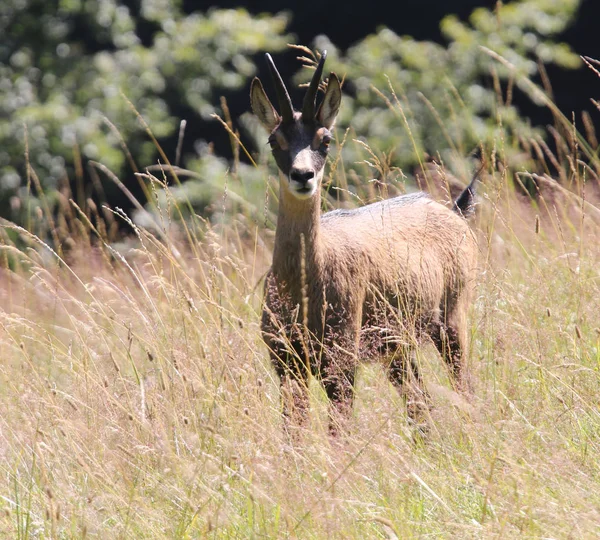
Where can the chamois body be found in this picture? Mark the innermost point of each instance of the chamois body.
(351, 285)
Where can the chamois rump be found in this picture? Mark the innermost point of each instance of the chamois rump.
(354, 284)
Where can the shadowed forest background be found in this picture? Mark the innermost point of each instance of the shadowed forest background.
(79, 76)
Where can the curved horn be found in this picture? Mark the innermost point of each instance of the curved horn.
(310, 99)
(285, 103)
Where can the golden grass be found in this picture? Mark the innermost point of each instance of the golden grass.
(138, 401)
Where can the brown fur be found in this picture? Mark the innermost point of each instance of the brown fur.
(374, 283)
(352, 285)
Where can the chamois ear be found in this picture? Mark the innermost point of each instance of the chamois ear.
(330, 105)
(262, 106)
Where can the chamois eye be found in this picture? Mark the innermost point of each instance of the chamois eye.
(326, 141)
(273, 143)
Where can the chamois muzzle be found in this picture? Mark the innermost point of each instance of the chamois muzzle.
(303, 182)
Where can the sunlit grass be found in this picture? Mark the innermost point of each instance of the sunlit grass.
(138, 400)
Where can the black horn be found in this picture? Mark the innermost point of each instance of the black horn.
(310, 99)
(285, 103)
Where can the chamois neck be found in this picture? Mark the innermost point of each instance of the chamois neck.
(297, 219)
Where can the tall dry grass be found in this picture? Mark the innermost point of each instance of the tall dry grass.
(138, 401)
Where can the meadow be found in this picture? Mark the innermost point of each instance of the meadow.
(138, 400)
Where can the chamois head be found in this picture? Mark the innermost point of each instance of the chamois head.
(299, 140)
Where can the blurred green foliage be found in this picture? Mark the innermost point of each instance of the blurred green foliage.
(445, 99)
(70, 69)
(72, 72)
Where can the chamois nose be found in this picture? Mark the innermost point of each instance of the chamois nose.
(301, 176)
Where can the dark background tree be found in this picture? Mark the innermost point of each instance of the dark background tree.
(346, 23)
(70, 71)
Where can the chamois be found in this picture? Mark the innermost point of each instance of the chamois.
(353, 284)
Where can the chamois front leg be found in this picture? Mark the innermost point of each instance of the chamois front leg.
(293, 377)
(339, 386)
(282, 336)
(337, 372)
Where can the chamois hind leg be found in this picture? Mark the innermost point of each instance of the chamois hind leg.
(450, 336)
(403, 373)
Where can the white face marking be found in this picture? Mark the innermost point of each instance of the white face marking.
(303, 162)
(303, 191)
